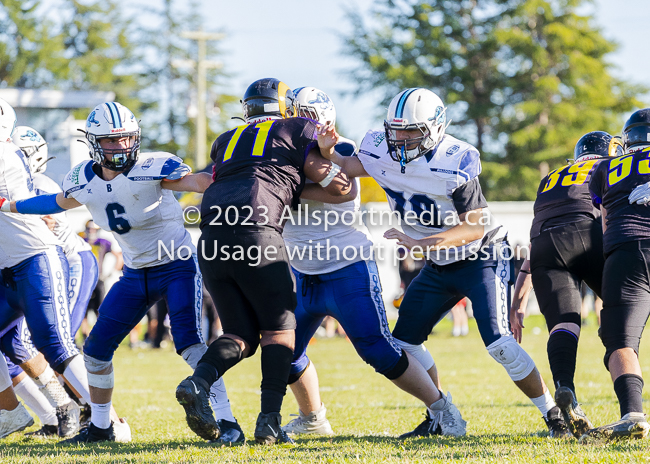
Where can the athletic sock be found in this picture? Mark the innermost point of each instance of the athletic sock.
(562, 349)
(76, 374)
(51, 388)
(276, 366)
(544, 403)
(629, 390)
(29, 392)
(100, 415)
(220, 402)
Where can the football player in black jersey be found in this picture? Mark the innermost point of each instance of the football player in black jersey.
(566, 250)
(259, 171)
(626, 279)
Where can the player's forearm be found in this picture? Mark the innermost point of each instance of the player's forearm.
(41, 205)
(189, 183)
(522, 289)
(458, 236)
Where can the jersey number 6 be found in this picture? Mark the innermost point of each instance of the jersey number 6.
(116, 221)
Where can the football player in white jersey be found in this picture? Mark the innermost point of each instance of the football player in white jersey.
(16, 343)
(131, 197)
(344, 283)
(431, 182)
(35, 272)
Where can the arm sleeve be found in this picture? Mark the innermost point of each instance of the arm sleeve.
(469, 197)
(42, 205)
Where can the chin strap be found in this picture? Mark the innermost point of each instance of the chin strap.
(402, 161)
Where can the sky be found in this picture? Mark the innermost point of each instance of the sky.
(300, 42)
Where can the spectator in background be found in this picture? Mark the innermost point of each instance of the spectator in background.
(100, 248)
(408, 269)
(459, 315)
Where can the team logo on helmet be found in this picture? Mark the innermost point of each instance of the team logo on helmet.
(30, 135)
(322, 99)
(92, 119)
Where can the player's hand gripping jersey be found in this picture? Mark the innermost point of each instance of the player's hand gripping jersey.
(23, 236)
(443, 182)
(610, 187)
(301, 236)
(145, 219)
(258, 170)
(563, 197)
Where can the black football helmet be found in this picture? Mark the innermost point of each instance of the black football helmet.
(597, 144)
(268, 97)
(636, 132)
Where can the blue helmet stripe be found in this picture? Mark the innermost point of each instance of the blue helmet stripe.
(110, 109)
(117, 114)
(399, 112)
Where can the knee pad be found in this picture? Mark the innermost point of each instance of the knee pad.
(295, 376)
(398, 369)
(507, 352)
(99, 380)
(193, 354)
(419, 352)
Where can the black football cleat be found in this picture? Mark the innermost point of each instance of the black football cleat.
(47, 431)
(574, 416)
(68, 417)
(557, 427)
(429, 427)
(231, 433)
(631, 425)
(268, 430)
(91, 434)
(192, 394)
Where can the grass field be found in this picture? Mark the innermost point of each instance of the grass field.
(365, 409)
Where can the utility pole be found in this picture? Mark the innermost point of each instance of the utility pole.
(202, 65)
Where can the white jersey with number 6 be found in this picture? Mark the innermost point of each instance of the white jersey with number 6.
(145, 219)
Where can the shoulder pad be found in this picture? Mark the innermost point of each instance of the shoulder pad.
(78, 177)
(374, 144)
(345, 147)
(44, 185)
(158, 166)
(461, 154)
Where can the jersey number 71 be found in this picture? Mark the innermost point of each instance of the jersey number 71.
(263, 129)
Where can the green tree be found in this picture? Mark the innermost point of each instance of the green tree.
(100, 52)
(524, 78)
(169, 88)
(31, 51)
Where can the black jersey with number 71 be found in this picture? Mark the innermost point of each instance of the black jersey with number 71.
(258, 171)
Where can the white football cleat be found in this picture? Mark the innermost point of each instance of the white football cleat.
(122, 431)
(313, 423)
(449, 418)
(14, 421)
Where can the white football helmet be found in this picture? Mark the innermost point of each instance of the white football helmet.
(33, 146)
(415, 109)
(112, 120)
(315, 104)
(7, 121)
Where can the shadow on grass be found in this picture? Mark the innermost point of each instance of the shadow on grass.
(38, 448)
